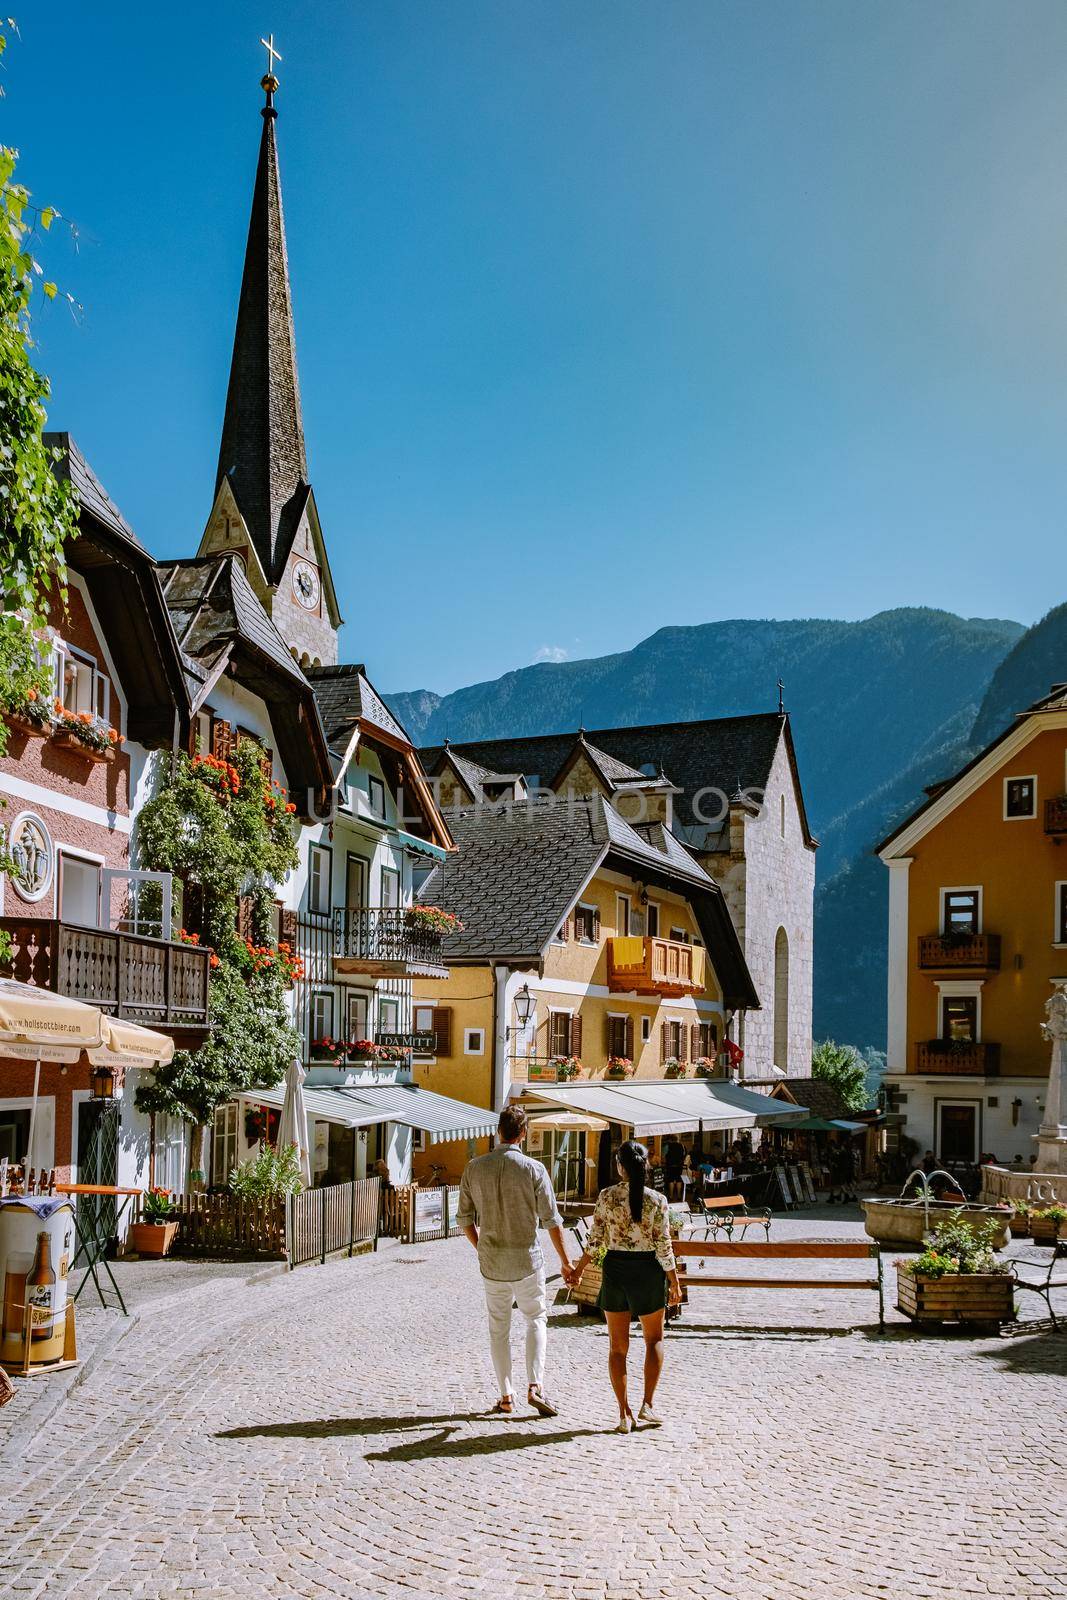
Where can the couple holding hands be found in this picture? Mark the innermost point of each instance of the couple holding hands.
(505, 1197)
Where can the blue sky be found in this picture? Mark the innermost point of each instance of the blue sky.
(611, 314)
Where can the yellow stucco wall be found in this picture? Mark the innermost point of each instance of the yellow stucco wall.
(1017, 867)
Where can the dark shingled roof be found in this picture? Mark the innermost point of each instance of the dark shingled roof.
(719, 753)
(519, 869)
(822, 1099)
(72, 465)
(262, 451)
(346, 696)
(212, 603)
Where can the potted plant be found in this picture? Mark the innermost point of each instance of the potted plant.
(27, 713)
(329, 1049)
(706, 1067)
(363, 1050)
(673, 1068)
(1046, 1223)
(90, 736)
(154, 1234)
(1020, 1218)
(957, 1278)
(619, 1067)
(566, 1067)
(432, 919)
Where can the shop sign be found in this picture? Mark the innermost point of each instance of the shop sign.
(422, 1042)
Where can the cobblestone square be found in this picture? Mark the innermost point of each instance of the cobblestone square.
(324, 1433)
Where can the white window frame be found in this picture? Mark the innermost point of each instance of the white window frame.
(85, 690)
(646, 1029)
(961, 888)
(679, 935)
(420, 1141)
(1020, 777)
(375, 785)
(621, 901)
(323, 1032)
(318, 874)
(392, 1001)
(940, 1104)
(87, 858)
(957, 989)
(224, 1136)
(585, 905)
(390, 872)
(652, 911)
(469, 1036)
(202, 725)
(353, 999)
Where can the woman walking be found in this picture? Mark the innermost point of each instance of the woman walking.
(640, 1276)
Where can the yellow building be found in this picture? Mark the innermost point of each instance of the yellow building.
(977, 938)
(590, 949)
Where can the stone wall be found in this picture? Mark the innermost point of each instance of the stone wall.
(1040, 1188)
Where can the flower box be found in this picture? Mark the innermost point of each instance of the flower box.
(25, 726)
(151, 1239)
(1045, 1229)
(956, 1296)
(1020, 1224)
(65, 739)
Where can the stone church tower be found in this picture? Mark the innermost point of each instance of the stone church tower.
(264, 507)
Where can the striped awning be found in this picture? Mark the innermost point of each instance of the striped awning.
(652, 1107)
(361, 1105)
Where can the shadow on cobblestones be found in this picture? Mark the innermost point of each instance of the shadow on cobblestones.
(343, 1427)
(1046, 1352)
(479, 1444)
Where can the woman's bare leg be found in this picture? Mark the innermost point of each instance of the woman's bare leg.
(652, 1328)
(619, 1334)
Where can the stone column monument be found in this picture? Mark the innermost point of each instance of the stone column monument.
(1052, 1138)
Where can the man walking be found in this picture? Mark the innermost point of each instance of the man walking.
(503, 1199)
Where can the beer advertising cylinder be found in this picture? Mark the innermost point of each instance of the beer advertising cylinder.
(36, 1252)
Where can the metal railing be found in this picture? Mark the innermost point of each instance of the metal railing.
(388, 935)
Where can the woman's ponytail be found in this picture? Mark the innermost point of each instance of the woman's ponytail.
(633, 1159)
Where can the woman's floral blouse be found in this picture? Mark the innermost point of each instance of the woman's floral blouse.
(613, 1227)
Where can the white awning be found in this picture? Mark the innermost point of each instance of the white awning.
(652, 1107)
(362, 1105)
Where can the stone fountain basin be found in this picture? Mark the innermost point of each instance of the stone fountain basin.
(904, 1221)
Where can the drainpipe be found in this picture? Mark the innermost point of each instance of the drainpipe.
(501, 1072)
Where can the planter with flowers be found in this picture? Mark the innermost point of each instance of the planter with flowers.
(566, 1067)
(1020, 1218)
(619, 1067)
(364, 1050)
(90, 736)
(957, 1278)
(154, 1234)
(706, 1067)
(432, 919)
(329, 1049)
(28, 714)
(1046, 1223)
(673, 1068)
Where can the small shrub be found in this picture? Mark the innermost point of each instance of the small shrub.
(271, 1173)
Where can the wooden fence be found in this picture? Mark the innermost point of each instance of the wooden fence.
(341, 1216)
(303, 1227)
(417, 1215)
(225, 1225)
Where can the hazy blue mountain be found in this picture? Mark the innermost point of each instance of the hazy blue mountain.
(1028, 671)
(879, 708)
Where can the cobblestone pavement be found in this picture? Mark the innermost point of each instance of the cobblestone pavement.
(323, 1433)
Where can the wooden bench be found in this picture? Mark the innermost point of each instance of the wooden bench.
(727, 1212)
(782, 1250)
(1044, 1286)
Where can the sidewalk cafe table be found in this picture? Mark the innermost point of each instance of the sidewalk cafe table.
(91, 1235)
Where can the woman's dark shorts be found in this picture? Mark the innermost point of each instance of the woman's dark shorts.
(633, 1281)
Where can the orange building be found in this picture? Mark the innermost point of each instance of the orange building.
(977, 938)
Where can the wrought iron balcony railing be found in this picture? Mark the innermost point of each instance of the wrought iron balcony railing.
(386, 940)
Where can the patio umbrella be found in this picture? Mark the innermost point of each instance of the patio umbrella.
(37, 1025)
(569, 1122)
(293, 1122)
(130, 1045)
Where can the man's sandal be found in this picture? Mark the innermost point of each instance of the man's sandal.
(503, 1407)
(540, 1404)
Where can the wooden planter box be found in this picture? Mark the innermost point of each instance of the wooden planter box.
(1020, 1225)
(1044, 1230)
(24, 726)
(66, 740)
(957, 1297)
(152, 1239)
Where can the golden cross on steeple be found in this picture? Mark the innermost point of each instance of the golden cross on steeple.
(272, 54)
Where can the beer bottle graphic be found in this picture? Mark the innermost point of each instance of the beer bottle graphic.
(41, 1291)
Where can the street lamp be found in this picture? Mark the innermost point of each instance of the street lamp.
(103, 1083)
(524, 1004)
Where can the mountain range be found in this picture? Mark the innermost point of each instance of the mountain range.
(880, 708)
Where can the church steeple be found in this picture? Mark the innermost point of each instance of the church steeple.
(262, 454)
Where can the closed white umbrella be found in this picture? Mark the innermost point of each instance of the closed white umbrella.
(293, 1122)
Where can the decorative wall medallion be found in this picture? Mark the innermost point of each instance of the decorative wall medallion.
(306, 585)
(33, 856)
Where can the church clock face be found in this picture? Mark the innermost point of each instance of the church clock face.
(306, 585)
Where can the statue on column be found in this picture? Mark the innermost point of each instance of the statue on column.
(1052, 1138)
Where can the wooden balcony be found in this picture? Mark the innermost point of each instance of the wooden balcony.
(957, 1057)
(385, 943)
(1056, 816)
(655, 966)
(956, 952)
(154, 981)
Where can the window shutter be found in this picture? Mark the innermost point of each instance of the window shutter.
(221, 739)
(696, 1036)
(576, 1034)
(245, 907)
(664, 1040)
(441, 1026)
(287, 927)
(683, 1042)
(609, 1035)
(629, 1050)
(596, 924)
